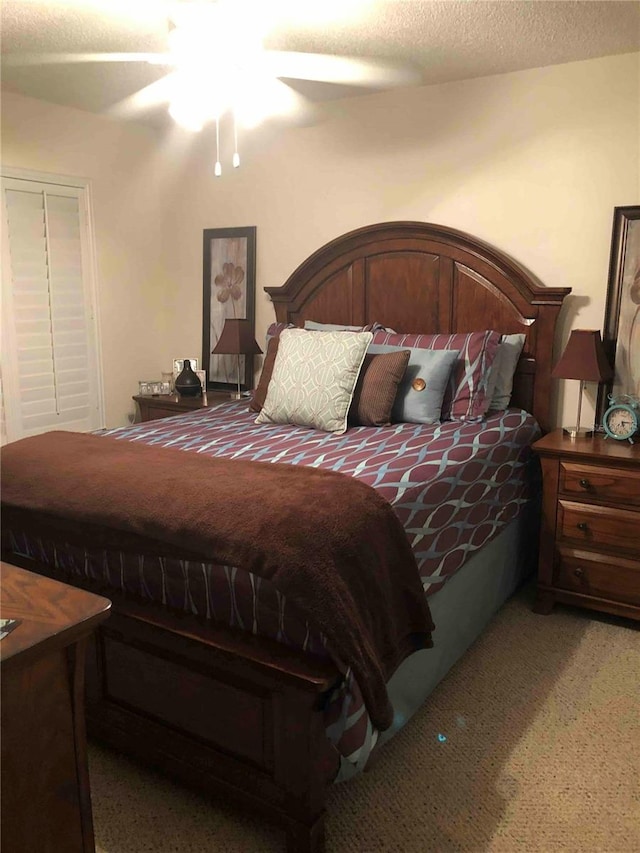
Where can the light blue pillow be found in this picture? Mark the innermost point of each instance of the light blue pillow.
(500, 383)
(421, 392)
(312, 326)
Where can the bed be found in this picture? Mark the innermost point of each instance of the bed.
(251, 704)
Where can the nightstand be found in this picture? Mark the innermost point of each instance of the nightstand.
(167, 405)
(590, 532)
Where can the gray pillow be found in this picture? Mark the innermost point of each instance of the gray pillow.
(500, 384)
(420, 394)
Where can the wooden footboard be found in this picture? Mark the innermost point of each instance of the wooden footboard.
(225, 712)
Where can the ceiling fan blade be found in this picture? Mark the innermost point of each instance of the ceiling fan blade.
(347, 70)
(156, 93)
(28, 59)
(273, 100)
(297, 109)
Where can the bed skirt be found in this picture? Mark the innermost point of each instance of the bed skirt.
(461, 611)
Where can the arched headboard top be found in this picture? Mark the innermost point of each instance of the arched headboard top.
(421, 277)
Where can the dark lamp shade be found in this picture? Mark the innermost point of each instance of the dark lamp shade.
(236, 339)
(583, 358)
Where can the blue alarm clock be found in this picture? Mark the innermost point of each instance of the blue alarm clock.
(621, 420)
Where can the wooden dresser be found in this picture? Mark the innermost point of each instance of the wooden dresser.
(590, 532)
(46, 802)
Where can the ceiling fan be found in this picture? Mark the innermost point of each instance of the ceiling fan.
(217, 65)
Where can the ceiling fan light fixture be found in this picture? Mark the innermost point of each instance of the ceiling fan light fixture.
(236, 155)
(188, 120)
(221, 34)
(196, 98)
(218, 53)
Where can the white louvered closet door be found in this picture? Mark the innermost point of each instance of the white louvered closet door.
(50, 376)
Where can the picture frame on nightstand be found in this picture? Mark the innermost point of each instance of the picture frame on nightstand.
(621, 334)
(153, 388)
(178, 364)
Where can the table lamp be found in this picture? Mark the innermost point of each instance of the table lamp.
(584, 359)
(236, 339)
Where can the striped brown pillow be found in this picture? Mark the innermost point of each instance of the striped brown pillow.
(377, 387)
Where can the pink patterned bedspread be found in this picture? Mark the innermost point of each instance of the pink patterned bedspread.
(453, 485)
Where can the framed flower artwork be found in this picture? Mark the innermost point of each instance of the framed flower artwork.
(621, 337)
(229, 291)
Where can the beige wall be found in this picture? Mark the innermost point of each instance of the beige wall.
(531, 162)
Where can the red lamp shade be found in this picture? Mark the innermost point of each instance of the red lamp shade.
(236, 339)
(583, 358)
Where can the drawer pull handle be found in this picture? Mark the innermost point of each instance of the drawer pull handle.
(585, 484)
(579, 572)
(582, 525)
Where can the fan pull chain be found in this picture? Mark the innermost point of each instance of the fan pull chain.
(236, 155)
(217, 171)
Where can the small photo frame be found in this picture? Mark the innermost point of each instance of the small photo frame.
(178, 364)
(7, 626)
(152, 388)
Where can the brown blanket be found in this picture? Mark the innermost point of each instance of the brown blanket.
(328, 542)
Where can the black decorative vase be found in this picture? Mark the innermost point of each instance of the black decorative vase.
(187, 382)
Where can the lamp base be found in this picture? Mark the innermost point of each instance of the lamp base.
(576, 433)
(236, 395)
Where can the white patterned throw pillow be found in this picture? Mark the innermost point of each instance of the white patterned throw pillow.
(314, 376)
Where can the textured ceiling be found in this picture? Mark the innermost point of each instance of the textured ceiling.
(445, 39)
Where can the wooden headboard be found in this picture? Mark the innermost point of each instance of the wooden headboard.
(419, 277)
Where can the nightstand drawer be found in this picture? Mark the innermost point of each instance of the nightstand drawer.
(611, 485)
(599, 527)
(590, 534)
(595, 574)
(156, 414)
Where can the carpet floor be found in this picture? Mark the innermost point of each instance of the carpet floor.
(530, 745)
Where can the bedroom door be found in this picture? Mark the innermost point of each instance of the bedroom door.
(50, 350)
